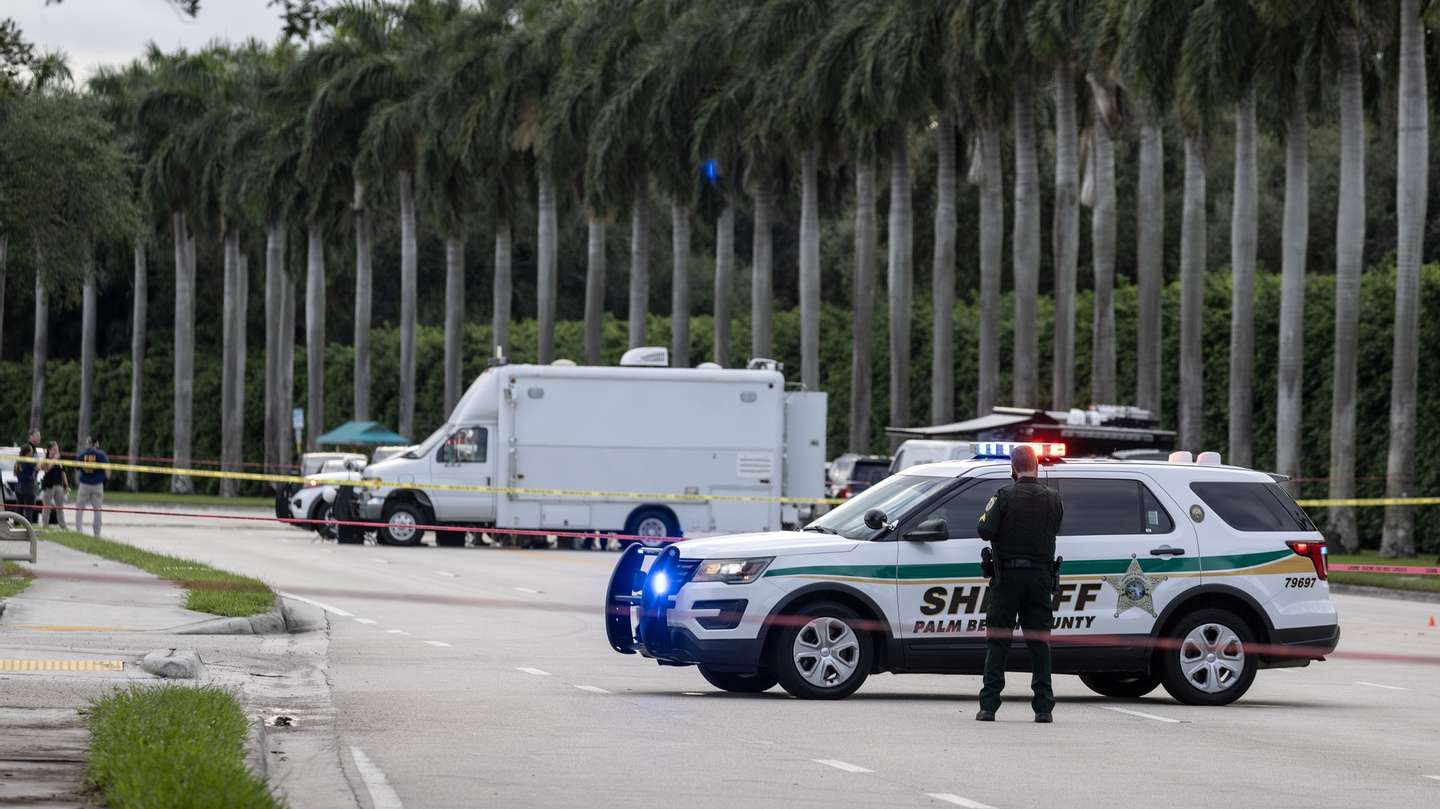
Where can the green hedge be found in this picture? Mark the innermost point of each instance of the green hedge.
(1377, 302)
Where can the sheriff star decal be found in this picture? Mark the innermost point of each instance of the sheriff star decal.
(1135, 588)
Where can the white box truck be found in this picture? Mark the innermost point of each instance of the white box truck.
(607, 436)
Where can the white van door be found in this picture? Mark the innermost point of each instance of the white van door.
(465, 458)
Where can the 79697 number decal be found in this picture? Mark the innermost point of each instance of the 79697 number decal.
(1299, 582)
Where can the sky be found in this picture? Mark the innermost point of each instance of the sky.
(98, 32)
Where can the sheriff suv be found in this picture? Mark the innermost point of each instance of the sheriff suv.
(1183, 573)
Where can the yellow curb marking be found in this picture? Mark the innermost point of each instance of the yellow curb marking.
(62, 665)
(70, 628)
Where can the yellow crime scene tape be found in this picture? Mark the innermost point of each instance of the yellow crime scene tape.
(444, 487)
(1357, 502)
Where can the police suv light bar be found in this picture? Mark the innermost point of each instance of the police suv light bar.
(1002, 449)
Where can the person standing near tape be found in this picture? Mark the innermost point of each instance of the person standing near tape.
(25, 474)
(54, 486)
(91, 491)
(1020, 523)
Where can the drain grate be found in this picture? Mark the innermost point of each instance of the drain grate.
(62, 665)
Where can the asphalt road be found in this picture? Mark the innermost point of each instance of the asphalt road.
(482, 677)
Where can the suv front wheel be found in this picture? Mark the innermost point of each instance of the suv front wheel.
(1208, 660)
(822, 652)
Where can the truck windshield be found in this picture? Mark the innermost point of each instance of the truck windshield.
(894, 495)
(424, 447)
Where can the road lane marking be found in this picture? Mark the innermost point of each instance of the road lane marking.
(957, 800)
(840, 765)
(445, 573)
(527, 590)
(1433, 777)
(594, 689)
(382, 795)
(366, 621)
(396, 632)
(439, 643)
(1381, 685)
(1142, 715)
(313, 603)
(381, 561)
(62, 665)
(692, 693)
(536, 672)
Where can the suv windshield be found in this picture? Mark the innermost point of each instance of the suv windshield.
(894, 495)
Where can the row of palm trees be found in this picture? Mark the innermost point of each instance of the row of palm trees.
(444, 113)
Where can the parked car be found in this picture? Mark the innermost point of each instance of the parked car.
(853, 473)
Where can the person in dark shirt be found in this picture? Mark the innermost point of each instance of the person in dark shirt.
(25, 482)
(91, 491)
(54, 486)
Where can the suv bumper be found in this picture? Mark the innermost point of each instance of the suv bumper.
(1299, 646)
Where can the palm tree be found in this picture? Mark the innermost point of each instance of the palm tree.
(1398, 538)
(1244, 241)
(1102, 239)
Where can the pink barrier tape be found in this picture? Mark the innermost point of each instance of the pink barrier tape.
(1398, 569)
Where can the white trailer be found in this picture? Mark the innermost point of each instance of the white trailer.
(609, 436)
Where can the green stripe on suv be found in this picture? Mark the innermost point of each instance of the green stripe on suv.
(1092, 567)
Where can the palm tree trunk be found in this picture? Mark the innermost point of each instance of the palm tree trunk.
(942, 355)
(40, 352)
(229, 452)
(454, 319)
(680, 285)
(360, 214)
(1349, 258)
(724, 279)
(500, 313)
(87, 356)
(545, 266)
(242, 311)
(1026, 248)
(139, 287)
(274, 302)
(992, 248)
(1192, 297)
(1398, 538)
(408, 272)
(1065, 236)
(762, 286)
(862, 301)
(594, 290)
(1103, 221)
(4, 255)
(1296, 235)
(315, 337)
(810, 269)
(286, 372)
(639, 263)
(900, 278)
(1149, 259)
(184, 350)
(1244, 235)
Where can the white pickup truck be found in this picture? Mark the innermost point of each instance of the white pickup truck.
(608, 437)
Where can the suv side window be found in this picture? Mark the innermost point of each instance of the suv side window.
(1252, 506)
(962, 512)
(1099, 506)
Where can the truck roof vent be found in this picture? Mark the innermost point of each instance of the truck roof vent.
(564, 363)
(1181, 456)
(764, 364)
(647, 357)
(1208, 459)
(706, 366)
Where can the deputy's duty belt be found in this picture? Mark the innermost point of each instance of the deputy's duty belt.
(1020, 564)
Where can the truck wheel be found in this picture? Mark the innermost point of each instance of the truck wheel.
(735, 683)
(1209, 665)
(821, 652)
(1121, 686)
(450, 539)
(656, 524)
(400, 528)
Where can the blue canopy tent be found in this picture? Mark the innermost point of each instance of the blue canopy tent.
(367, 433)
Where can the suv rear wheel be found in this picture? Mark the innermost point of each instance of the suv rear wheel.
(1121, 686)
(1209, 664)
(739, 683)
(822, 652)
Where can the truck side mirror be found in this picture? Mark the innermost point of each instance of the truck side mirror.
(936, 530)
(875, 519)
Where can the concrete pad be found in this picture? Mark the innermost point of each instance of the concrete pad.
(131, 601)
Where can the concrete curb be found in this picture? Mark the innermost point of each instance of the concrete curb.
(1385, 592)
(259, 758)
(290, 617)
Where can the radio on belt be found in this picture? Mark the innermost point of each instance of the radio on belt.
(1189, 575)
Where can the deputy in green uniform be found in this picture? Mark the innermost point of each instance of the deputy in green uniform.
(1020, 523)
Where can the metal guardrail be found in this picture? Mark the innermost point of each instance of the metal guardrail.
(15, 528)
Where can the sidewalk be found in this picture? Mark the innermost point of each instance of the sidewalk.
(65, 641)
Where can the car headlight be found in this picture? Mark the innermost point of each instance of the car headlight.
(732, 571)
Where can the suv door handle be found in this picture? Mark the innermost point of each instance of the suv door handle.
(1166, 550)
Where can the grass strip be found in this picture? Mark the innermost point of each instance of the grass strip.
(1391, 581)
(214, 591)
(120, 498)
(172, 746)
(13, 579)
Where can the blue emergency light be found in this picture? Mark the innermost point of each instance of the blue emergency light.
(1001, 450)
